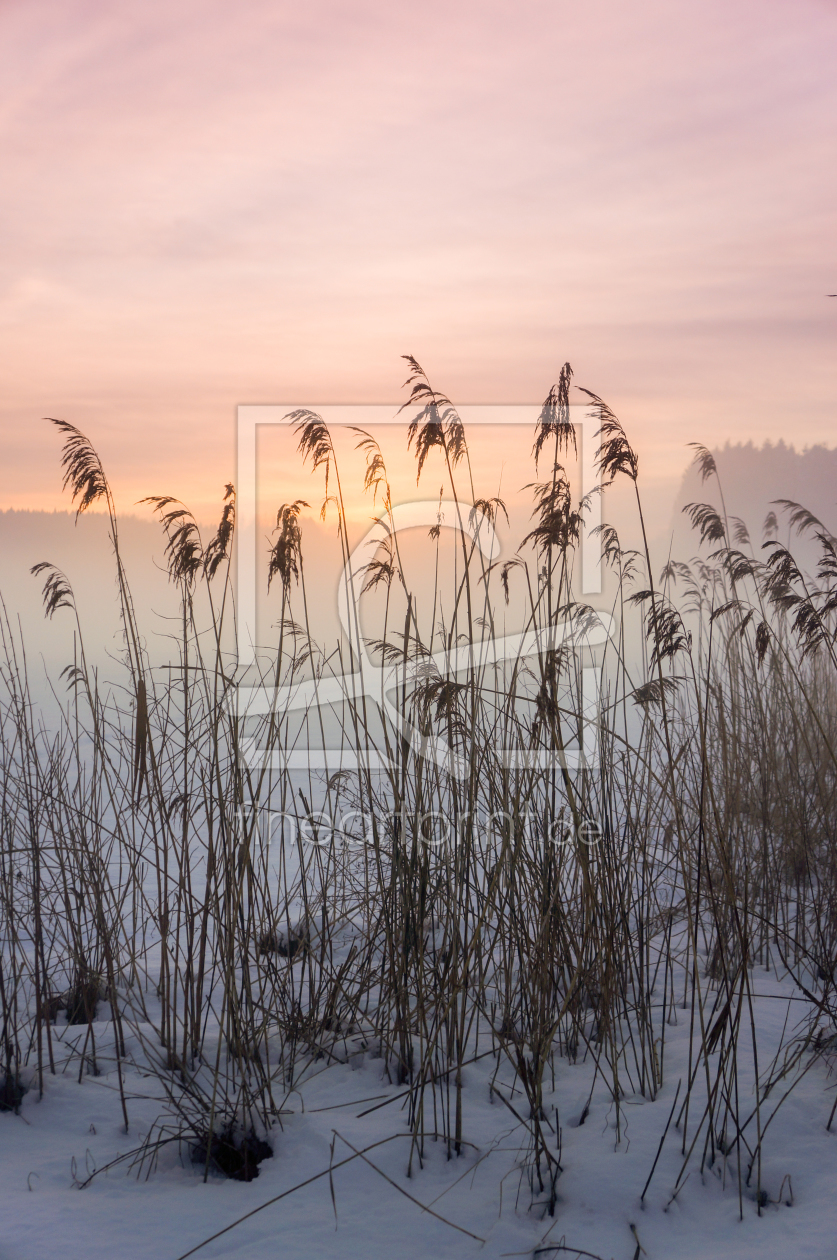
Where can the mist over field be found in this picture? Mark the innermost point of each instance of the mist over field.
(753, 478)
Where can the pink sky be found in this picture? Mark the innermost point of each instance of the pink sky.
(206, 204)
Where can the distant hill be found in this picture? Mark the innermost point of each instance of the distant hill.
(752, 478)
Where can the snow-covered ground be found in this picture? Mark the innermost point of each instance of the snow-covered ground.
(369, 1207)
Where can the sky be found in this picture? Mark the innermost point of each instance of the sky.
(204, 205)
